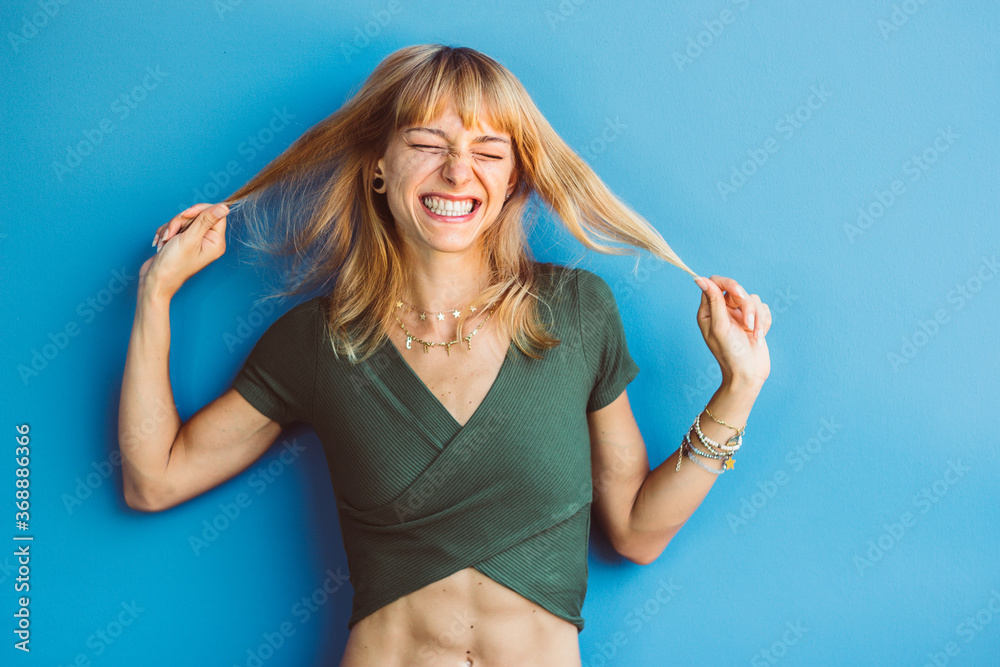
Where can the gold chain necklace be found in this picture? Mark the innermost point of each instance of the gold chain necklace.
(447, 346)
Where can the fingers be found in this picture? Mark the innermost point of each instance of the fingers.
(217, 235)
(170, 229)
(176, 225)
(761, 316)
(738, 297)
(712, 293)
(704, 313)
(209, 217)
(764, 315)
(736, 293)
(747, 309)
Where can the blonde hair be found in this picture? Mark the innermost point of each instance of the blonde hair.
(334, 227)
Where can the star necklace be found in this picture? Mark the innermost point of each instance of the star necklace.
(423, 316)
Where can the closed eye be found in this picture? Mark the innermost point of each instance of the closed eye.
(441, 148)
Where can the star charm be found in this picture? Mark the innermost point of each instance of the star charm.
(440, 316)
(729, 464)
(472, 308)
(456, 312)
(423, 316)
(399, 304)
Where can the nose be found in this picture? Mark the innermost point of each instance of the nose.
(457, 170)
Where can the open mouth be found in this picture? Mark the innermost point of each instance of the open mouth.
(449, 208)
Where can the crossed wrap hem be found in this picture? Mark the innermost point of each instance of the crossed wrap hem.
(506, 548)
(420, 496)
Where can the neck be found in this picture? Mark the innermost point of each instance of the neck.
(445, 281)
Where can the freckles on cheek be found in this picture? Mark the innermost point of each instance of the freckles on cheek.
(412, 159)
(413, 167)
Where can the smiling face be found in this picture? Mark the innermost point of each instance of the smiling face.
(446, 184)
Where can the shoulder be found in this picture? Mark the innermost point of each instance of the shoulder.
(557, 277)
(593, 291)
(576, 274)
(302, 312)
(296, 325)
(589, 291)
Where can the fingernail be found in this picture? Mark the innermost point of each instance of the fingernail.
(154, 239)
(701, 284)
(220, 210)
(750, 321)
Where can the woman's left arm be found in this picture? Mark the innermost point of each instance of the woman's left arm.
(641, 510)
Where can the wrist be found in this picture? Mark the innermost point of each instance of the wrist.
(154, 292)
(154, 296)
(735, 398)
(741, 384)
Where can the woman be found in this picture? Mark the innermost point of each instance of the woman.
(464, 477)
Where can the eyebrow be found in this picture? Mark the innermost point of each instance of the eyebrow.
(485, 138)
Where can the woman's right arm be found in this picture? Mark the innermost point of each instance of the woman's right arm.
(166, 461)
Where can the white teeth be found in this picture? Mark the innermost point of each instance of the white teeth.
(449, 207)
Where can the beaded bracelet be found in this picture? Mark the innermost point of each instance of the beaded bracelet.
(708, 445)
(727, 458)
(726, 451)
(688, 447)
(712, 453)
(708, 441)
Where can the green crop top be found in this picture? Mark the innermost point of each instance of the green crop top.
(420, 496)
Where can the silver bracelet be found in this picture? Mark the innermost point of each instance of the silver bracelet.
(727, 458)
(703, 466)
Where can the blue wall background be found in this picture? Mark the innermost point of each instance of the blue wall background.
(859, 144)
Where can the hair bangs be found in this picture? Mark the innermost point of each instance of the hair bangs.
(478, 89)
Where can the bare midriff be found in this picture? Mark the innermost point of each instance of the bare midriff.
(463, 620)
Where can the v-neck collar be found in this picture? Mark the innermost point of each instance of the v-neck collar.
(412, 392)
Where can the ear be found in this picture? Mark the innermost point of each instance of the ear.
(512, 181)
(380, 167)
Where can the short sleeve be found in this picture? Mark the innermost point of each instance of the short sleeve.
(279, 375)
(604, 344)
